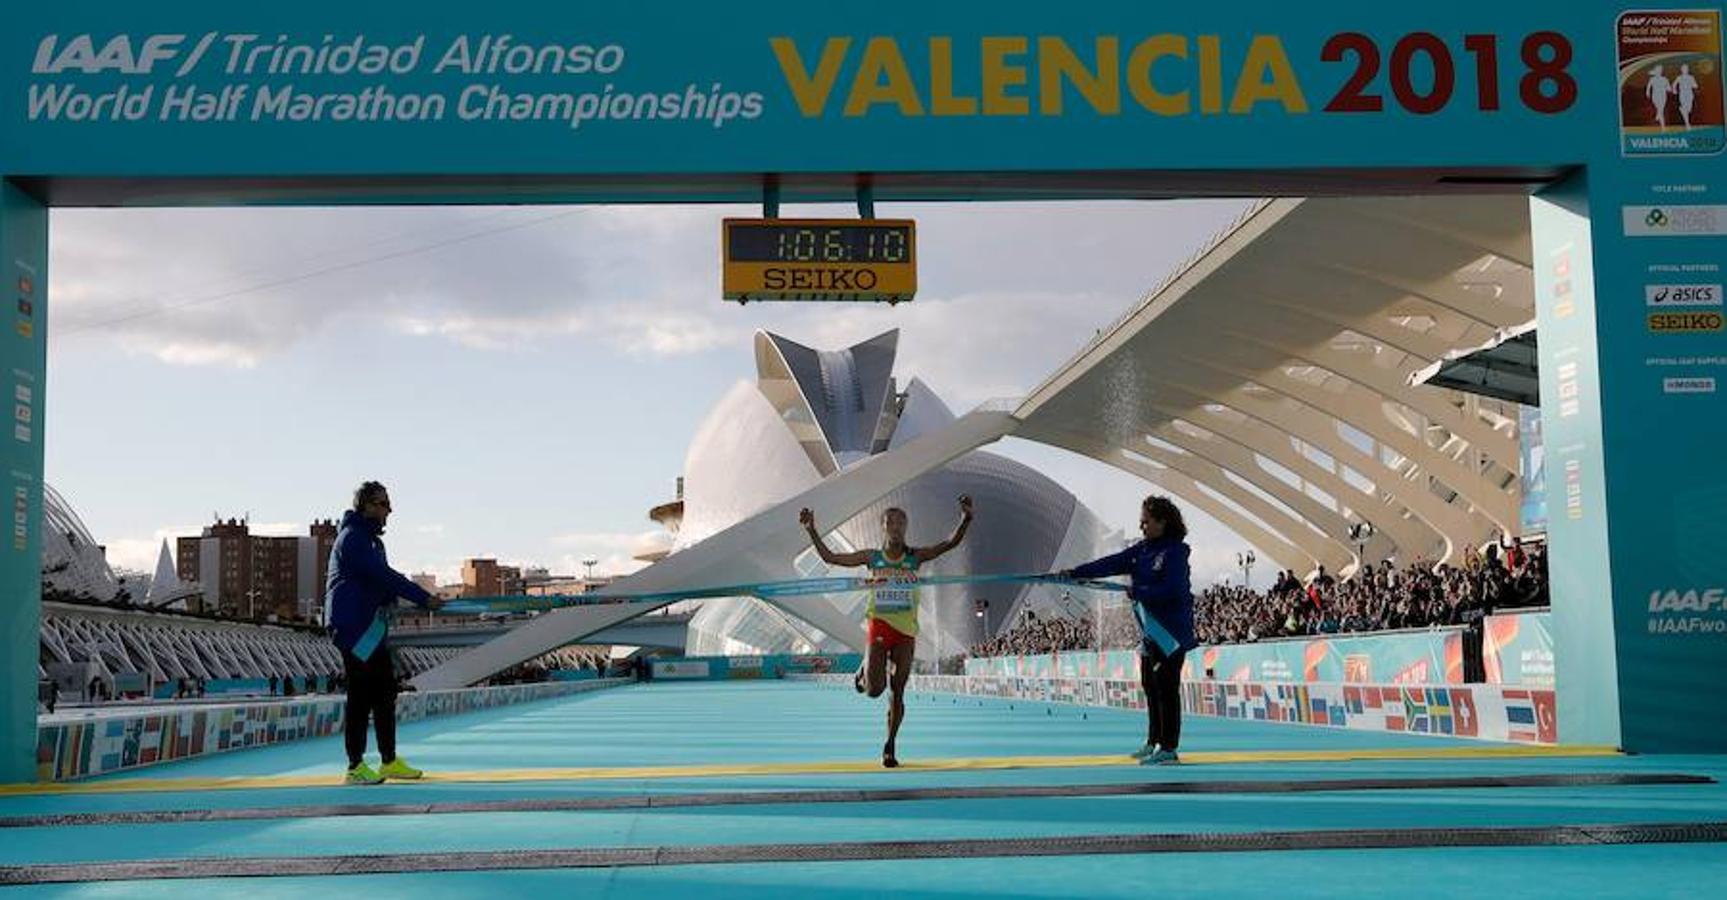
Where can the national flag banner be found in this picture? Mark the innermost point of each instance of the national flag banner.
(1546, 717)
(1463, 713)
(1520, 717)
(1352, 699)
(1370, 697)
(1415, 711)
(1439, 710)
(1317, 711)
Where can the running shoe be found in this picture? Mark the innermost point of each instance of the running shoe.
(398, 770)
(1145, 751)
(1161, 758)
(364, 774)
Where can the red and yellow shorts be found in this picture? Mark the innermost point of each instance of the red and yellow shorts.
(886, 636)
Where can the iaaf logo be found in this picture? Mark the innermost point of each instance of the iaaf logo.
(117, 54)
(1692, 600)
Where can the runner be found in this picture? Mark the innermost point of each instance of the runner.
(1162, 595)
(1686, 87)
(1658, 88)
(893, 607)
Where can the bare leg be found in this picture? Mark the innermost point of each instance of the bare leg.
(875, 670)
(902, 664)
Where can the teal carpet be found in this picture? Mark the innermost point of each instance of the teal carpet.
(786, 723)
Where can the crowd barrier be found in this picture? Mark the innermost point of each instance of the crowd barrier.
(721, 668)
(1517, 649)
(1413, 657)
(1480, 711)
(119, 740)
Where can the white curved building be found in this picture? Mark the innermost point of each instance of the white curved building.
(72, 561)
(813, 413)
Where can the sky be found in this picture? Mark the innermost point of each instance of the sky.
(526, 380)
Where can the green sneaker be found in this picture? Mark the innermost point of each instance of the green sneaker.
(1162, 758)
(398, 769)
(1145, 751)
(364, 774)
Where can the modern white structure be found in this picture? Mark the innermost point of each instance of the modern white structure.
(1266, 382)
(164, 647)
(72, 561)
(813, 413)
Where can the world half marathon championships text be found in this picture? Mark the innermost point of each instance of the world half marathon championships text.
(247, 55)
(1162, 75)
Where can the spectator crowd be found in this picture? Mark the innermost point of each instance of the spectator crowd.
(1378, 598)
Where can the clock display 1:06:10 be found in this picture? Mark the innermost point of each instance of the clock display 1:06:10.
(832, 244)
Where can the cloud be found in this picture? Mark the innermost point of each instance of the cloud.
(613, 552)
(140, 552)
(613, 565)
(234, 287)
(598, 542)
(1009, 292)
(489, 333)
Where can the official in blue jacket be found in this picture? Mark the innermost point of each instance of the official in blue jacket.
(359, 593)
(1162, 594)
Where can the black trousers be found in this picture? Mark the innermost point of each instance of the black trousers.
(371, 695)
(1160, 675)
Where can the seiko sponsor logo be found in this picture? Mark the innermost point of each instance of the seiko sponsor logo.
(1688, 600)
(1677, 322)
(117, 54)
(1667, 295)
(856, 279)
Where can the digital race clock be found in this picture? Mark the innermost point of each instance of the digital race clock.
(819, 259)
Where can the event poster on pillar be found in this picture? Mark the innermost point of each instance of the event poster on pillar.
(1670, 83)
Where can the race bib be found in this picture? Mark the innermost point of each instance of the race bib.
(895, 596)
